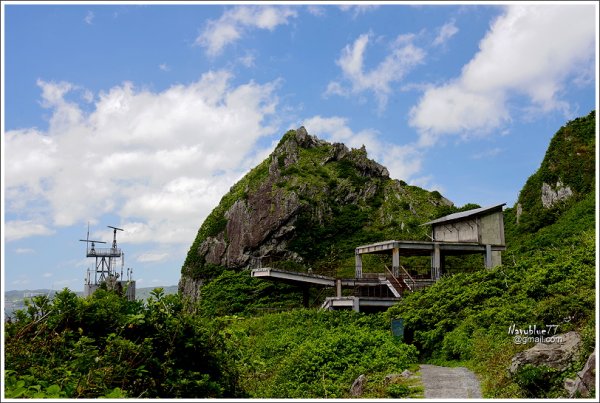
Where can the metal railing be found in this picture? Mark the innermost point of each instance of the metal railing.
(104, 252)
(405, 275)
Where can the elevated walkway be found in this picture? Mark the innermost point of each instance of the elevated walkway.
(292, 277)
(373, 291)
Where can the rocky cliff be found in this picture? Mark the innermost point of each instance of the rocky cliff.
(310, 203)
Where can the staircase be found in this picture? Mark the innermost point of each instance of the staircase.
(400, 285)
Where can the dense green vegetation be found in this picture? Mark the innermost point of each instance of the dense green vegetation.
(106, 346)
(316, 354)
(466, 317)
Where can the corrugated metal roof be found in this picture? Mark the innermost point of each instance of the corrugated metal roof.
(465, 214)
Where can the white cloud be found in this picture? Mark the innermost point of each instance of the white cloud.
(248, 60)
(237, 21)
(446, 32)
(531, 51)
(160, 161)
(23, 251)
(164, 67)
(89, 18)
(317, 11)
(403, 162)
(403, 57)
(18, 229)
(357, 10)
(492, 152)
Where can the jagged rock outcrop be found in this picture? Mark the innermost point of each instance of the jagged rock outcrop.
(358, 386)
(585, 380)
(551, 196)
(558, 353)
(299, 205)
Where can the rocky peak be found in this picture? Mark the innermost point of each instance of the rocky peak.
(307, 199)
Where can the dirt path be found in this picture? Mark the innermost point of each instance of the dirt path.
(450, 383)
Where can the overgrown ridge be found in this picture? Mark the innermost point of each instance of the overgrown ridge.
(449, 382)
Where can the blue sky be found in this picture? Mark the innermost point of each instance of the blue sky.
(142, 116)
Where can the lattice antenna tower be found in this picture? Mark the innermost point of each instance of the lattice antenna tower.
(105, 258)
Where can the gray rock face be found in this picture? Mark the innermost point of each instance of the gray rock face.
(585, 381)
(261, 220)
(358, 386)
(552, 354)
(190, 287)
(552, 196)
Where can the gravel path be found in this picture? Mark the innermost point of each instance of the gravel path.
(450, 383)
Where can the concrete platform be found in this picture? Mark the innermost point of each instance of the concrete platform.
(358, 304)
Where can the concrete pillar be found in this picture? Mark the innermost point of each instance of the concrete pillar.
(338, 287)
(435, 262)
(488, 257)
(358, 265)
(396, 262)
(355, 304)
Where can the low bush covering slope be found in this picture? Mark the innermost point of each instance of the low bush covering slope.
(317, 354)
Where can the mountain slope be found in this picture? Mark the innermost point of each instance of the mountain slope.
(310, 203)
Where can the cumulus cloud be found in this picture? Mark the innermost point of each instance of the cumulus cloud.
(446, 32)
(402, 161)
(531, 51)
(18, 229)
(159, 160)
(230, 27)
(402, 58)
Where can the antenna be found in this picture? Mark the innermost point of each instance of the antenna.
(92, 250)
(106, 269)
(114, 245)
